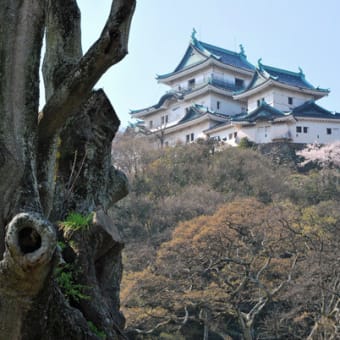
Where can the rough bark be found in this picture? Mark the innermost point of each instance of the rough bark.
(86, 180)
(82, 123)
(30, 247)
(21, 33)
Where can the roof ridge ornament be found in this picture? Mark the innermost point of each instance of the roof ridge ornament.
(193, 35)
(242, 52)
(301, 73)
(196, 43)
(265, 72)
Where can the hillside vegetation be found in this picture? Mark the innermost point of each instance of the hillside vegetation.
(229, 244)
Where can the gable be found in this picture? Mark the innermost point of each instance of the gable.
(193, 58)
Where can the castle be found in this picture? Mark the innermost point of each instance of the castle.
(218, 94)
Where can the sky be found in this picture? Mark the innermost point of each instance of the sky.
(285, 33)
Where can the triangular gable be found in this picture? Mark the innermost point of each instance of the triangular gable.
(191, 57)
(258, 79)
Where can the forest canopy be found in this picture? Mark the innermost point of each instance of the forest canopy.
(232, 243)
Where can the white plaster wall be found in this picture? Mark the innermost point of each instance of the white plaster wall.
(267, 95)
(202, 76)
(247, 132)
(176, 137)
(201, 100)
(262, 132)
(229, 76)
(280, 97)
(281, 131)
(175, 112)
(155, 118)
(227, 135)
(228, 106)
(317, 132)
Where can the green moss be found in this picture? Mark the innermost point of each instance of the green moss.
(100, 334)
(76, 221)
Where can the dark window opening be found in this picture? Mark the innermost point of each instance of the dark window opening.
(187, 138)
(218, 105)
(164, 119)
(298, 129)
(305, 129)
(260, 101)
(329, 131)
(192, 137)
(191, 83)
(290, 100)
(239, 83)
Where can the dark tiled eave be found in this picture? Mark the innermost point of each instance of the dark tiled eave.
(163, 99)
(263, 112)
(280, 76)
(227, 57)
(312, 110)
(197, 111)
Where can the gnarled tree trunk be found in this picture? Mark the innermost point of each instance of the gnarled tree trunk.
(55, 163)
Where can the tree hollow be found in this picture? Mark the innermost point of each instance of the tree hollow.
(29, 240)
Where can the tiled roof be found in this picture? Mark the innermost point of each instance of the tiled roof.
(169, 95)
(311, 110)
(235, 59)
(263, 112)
(296, 79)
(218, 125)
(196, 111)
(227, 57)
(287, 77)
(182, 93)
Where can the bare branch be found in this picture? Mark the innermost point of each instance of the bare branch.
(263, 268)
(109, 49)
(140, 331)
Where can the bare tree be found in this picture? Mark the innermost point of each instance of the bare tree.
(53, 163)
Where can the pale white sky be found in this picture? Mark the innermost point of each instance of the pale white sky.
(284, 33)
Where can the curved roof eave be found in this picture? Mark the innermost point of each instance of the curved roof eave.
(184, 124)
(159, 105)
(247, 93)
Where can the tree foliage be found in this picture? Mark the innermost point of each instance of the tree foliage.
(245, 269)
(243, 248)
